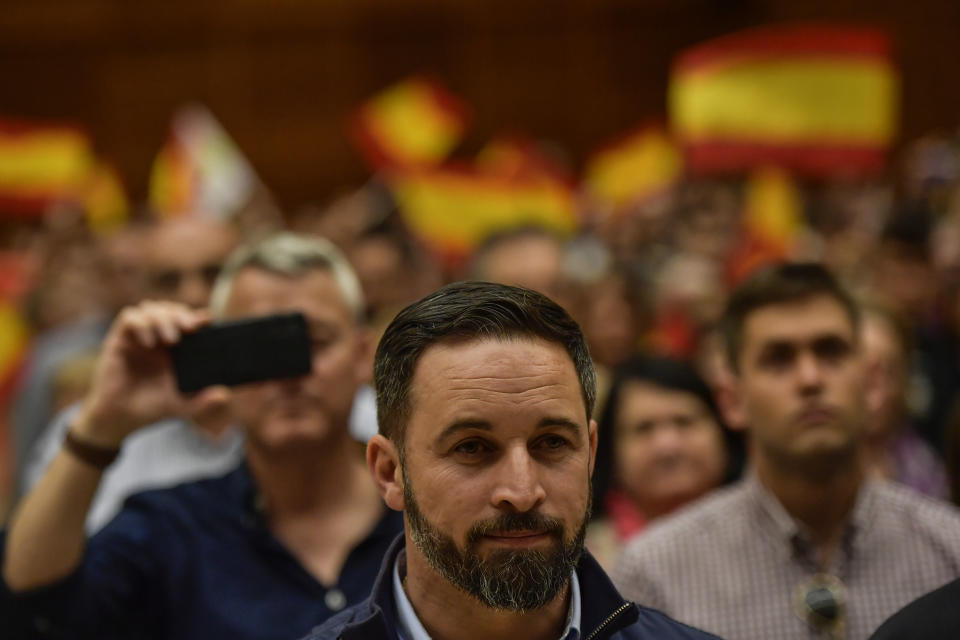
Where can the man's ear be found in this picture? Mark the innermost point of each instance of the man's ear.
(384, 464)
(727, 391)
(592, 435)
(873, 385)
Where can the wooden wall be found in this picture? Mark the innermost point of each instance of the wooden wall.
(283, 75)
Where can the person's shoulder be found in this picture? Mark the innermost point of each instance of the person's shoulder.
(197, 498)
(161, 525)
(910, 508)
(708, 518)
(332, 628)
(705, 533)
(906, 499)
(202, 489)
(652, 623)
(933, 616)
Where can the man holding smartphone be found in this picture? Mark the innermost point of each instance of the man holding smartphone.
(294, 534)
(174, 260)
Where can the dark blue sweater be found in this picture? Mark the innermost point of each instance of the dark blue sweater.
(193, 562)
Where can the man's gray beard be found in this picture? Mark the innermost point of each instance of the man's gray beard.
(508, 579)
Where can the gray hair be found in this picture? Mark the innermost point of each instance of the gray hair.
(289, 254)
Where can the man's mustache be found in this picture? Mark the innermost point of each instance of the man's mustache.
(509, 522)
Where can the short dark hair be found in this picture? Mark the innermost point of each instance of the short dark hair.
(778, 284)
(468, 311)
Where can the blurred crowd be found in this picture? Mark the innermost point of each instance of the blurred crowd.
(646, 281)
(648, 278)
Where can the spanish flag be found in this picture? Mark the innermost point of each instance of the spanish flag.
(451, 209)
(41, 164)
(772, 226)
(819, 99)
(413, 123)
(517, 157)
(173, 180)
(643, 162)
(200, 169)
(14, 341)
(105, 200)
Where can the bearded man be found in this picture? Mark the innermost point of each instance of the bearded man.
(484, 397)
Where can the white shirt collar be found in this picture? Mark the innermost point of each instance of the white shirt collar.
(412, 629)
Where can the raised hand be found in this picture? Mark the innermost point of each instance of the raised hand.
(133, 384)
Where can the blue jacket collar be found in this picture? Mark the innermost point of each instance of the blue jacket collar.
(604, 611)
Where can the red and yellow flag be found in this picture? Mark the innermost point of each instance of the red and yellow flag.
(517, 157)
(14, 341)
(815, 98)
(772, 224)
(453, 208)
(644, 162)
(173, 180)
(413, 123)
(41, 164)
(105, 200)
(200, 170)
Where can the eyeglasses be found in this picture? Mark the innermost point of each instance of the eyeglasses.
(821, 601)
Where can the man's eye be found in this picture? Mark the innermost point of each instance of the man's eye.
(777, 357)
(554, 442)
(471, 447)
(832, 348)
(165, 280)
(210, 273)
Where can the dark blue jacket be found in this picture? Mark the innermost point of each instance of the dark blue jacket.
(605, 615)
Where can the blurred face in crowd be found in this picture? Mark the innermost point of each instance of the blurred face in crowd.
(183, 258)
(121, 267)
(610, 322)
(800, 385)
(669, 448)
(885, 362)
(692, 284)
(532, 261)
(68, 285)
(496, 466)
(385, 276)
(315, 408)
(905, 277)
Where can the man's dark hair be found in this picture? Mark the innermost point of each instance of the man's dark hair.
(778, 284)
(468, 311)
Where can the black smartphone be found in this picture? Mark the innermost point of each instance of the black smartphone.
(242, 351)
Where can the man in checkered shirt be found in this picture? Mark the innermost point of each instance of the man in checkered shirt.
(807, 546)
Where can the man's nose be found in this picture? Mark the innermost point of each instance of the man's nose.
(193, 290)
(518, 483)
(809, 372)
